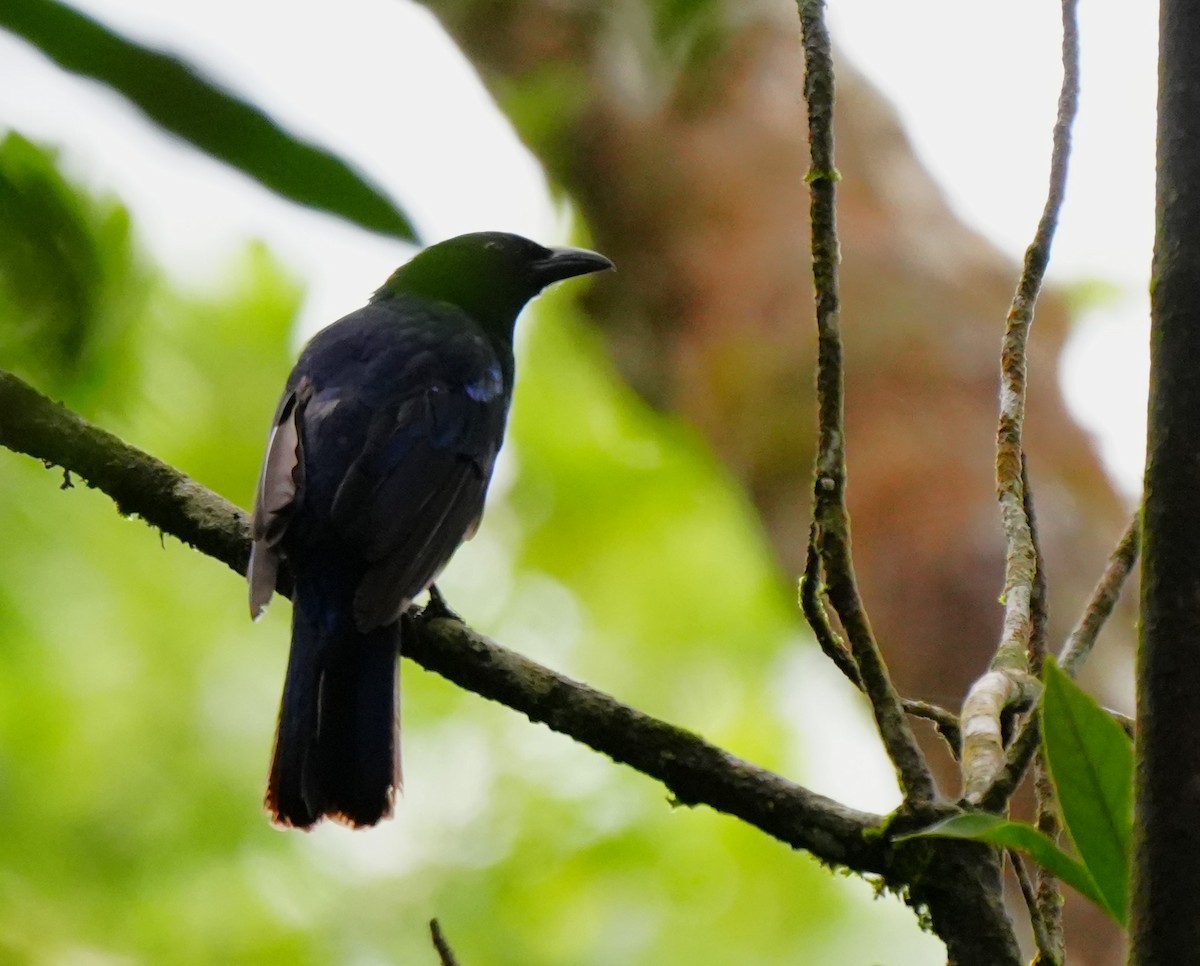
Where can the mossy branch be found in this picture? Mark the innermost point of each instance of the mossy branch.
(956, 884)
(694, 771)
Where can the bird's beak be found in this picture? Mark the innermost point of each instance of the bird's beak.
(568, 262)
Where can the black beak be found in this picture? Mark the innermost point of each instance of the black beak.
(567, 263)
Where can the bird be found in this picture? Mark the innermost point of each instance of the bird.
(377, 464)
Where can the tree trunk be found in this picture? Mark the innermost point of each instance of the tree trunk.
(1166, 903)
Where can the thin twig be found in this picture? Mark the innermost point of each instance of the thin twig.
(1039, 604)
(1078, 645)
(1103, 600)
(811, 589)
(831, 532)
(992, 695)
(1042, 935)
(445, 953)
(1048, 901)
(1048, 896)
(946, 722)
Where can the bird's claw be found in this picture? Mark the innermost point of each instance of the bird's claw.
(437, 606)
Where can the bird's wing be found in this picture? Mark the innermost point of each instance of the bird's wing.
(417, 490)
(279, 487)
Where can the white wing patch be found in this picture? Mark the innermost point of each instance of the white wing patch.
(277, 489)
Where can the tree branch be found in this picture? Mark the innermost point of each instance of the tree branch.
(1103, 600)
(1047, 912)
(831, 645)
(1008, 682)
(138, 483)
(831, 520)
(695, 771)
(1049, 943)
(445, 954)
(1079, 643)
(956, 883)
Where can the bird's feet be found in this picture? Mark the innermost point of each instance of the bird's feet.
(437, 606)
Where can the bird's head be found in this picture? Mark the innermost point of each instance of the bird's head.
(490, 275)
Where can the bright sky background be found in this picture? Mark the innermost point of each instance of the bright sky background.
(975, 84)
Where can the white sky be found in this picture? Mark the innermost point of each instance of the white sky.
(976, 86)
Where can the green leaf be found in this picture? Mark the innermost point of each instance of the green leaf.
(1007, 834)
(69, 278)
(178, 99)
(1091, 761)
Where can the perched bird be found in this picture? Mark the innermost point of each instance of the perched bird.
(379, 457)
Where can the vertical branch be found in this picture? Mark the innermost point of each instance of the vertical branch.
(1048, 897)
(1048, 944)
(1047, 906)
(1099, 608)
(1039, 602)
(1020, 561)
(831, 531)
(1008, 681)
(1166, 862)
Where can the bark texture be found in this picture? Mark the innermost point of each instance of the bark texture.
(1166, 927)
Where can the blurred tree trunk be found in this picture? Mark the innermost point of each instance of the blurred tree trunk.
(680, 131)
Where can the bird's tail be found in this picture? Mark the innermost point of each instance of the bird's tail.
(337, 747)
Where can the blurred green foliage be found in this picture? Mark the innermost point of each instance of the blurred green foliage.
(137, 701)
(179, 99)
(68, 280)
